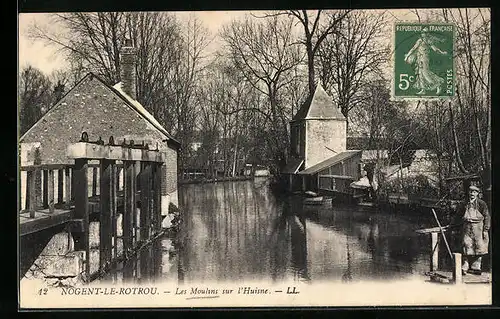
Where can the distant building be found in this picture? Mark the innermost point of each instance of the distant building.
(318, 146)
(424, 163)
(102, 110)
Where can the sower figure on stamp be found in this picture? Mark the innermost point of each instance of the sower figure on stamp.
(426, 80)
(474, 221)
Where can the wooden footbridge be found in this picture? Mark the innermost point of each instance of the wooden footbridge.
(137, 197)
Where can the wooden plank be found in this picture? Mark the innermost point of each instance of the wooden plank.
(150, 198)
(430, 230)
(50, 191)
(94, 151)
(67, 187)
(30, 198)
(435, 251)
(136, 190)
(484, 278)
(144, 262)
(129, 206)
(145, 201)
(118, 170)
(27, 192)
(38, 188)
(457, 269)
(157, 193)
(60, 185)
(73, 185)
(33, 225)
(105, 216)
(81, 211)
(28, 168)
(113, 207)
(45, 186)
(348, 177)
(128, 270)
(94, 181)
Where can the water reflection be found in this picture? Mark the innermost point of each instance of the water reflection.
(238, 231)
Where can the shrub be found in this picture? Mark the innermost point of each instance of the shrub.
(417, 186)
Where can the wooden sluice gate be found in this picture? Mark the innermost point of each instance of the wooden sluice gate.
(78, 204)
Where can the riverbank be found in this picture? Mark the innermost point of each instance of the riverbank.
(214, 180)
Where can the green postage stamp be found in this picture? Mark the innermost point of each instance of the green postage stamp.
(423, 61)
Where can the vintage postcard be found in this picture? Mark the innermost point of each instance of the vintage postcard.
(255, 158)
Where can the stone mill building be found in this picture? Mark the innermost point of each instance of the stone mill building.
(318, 137)
(102, 110)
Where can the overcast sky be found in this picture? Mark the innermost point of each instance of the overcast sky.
(47, 60)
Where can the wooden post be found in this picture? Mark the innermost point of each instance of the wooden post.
(128, 204)
(105, 217)
(128, 266)
(81, 212)
(145, 211)
(67, 188)
(144, 262)
(38, 188)
(457, 269)
(113, 207)
(157, 258)
(50, 191)
(30, 192)
(137, 187)
(118, 170)
(157, 194)
(435, 251)
(72, 197)
(45, 201)
(152, 208)
(60, 185)
(94, 181)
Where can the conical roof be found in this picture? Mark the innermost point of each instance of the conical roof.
(320, 106)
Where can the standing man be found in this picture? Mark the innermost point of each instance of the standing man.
(475, 221)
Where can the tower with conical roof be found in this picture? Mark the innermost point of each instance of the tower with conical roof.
(319, 130)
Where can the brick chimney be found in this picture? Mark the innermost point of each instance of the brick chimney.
(127, 68)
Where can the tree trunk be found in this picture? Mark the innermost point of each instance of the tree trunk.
(310, 65)
(455, 140)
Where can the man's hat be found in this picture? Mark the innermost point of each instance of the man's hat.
(474, 188)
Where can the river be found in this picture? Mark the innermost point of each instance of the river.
(239, 231)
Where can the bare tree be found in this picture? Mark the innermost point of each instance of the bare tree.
(265, 55)
(353, 57)
(94, 38)
(315, 31)
(35, 96)
(470, 144)
(190, 63)
(92, 42)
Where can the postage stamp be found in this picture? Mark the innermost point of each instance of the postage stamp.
(423, 61)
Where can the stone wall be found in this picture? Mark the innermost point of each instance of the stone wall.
(323, 136)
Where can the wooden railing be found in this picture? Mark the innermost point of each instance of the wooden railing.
(102, 163)
(336, 183)
(40, 187)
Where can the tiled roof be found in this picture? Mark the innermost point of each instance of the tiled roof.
(139, 108)
(320, 106)
(329, 162)
(119, 92)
